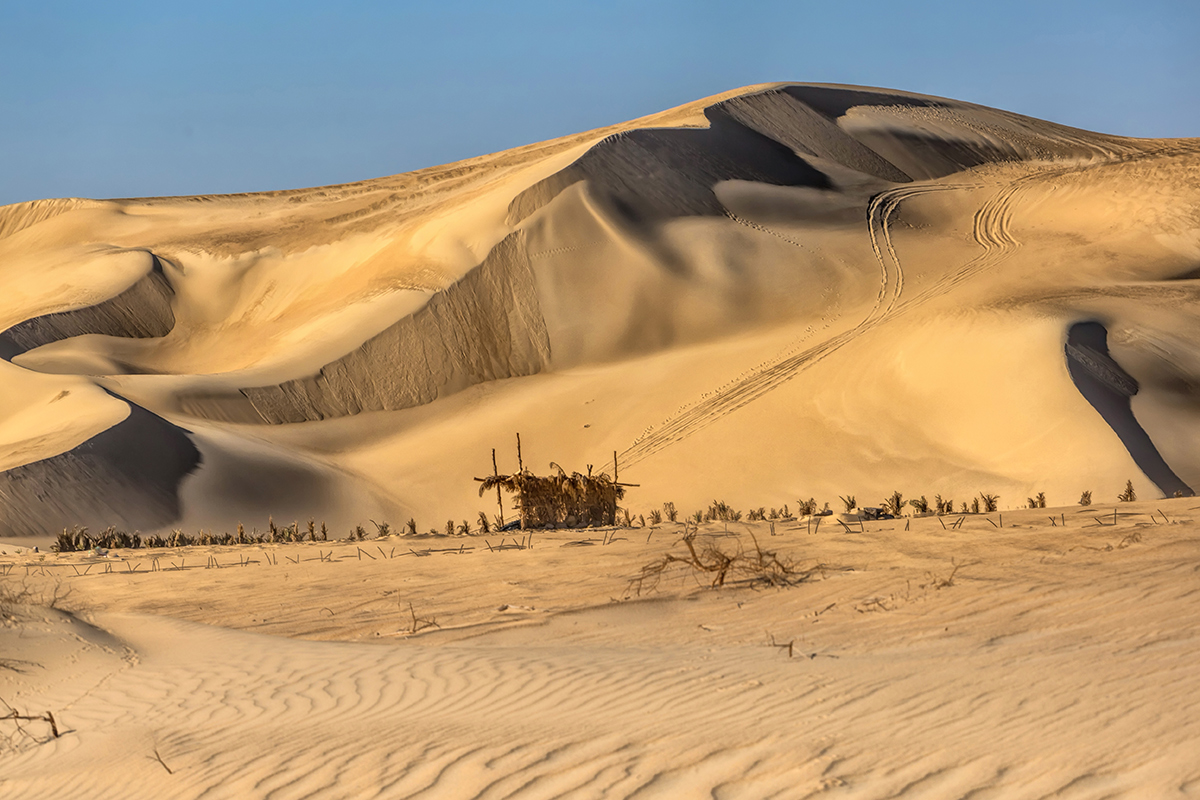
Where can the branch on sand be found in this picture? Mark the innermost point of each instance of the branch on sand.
(753, 567)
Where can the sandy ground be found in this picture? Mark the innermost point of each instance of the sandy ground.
(1040, 659)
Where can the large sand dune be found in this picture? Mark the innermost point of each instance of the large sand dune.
(790, 290)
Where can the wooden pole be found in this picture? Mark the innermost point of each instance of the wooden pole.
(499, 500)
(615, 474)
(520, 463)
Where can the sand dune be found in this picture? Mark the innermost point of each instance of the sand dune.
(767, 250)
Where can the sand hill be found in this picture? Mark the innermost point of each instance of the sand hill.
(789, 290)
(784, 292)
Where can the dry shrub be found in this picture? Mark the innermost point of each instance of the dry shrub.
(753, 567)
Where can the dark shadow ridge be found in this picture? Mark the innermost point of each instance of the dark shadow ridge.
(834, 103)
(143, 311)
(649, 175)
(488, 326)
(1108, 387)
(127, 476)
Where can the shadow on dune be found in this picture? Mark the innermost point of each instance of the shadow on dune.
(1108, 387)
(127, 476)
(143, 311)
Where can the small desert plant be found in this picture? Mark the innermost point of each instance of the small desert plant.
(894, 505)
(848, 502)
(669, 510)
(382, 529)
(974, 505)
(696, 518)
(465, 528)
(806, 507)
(484, 525)
(449, 527)
(757, 514)
(641, 520)
(920, 505)
(1041, 499)
(945, 506)
(756, 567)
(721, 511)
(1085, 499)
(785, 512)
(1129, 495)
(655, 517)
(989, 501)
(626, 517)
(774, 514)
(412, 526)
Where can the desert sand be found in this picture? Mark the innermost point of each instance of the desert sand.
(1029, 661)
(788, 291)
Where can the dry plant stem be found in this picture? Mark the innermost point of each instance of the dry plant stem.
(159, 759)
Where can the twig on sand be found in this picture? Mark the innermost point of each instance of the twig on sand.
(789, 646)
(159, 759)
(420, 623)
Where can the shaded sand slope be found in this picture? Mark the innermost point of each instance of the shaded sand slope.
(1028, 661)
(787, 290)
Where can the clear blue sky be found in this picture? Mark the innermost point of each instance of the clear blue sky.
(116, 99)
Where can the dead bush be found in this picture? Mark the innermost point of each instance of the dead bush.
(748, 567)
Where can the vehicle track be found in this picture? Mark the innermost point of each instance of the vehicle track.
(767, 378)
(992, 231)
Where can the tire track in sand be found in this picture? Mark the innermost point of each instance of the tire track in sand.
(992, 230)
(765, 379)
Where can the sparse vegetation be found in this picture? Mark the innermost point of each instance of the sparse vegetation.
(945, 506)
(1085, 499)
(411, 525)
(848, 503)
(655, 517)
(806, 508)
(920, 505)
(1129, 495)
(894, 505)
(669, 510)
(720, 511)
(990, 501)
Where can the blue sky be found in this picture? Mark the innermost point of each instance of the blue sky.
(154, 98)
